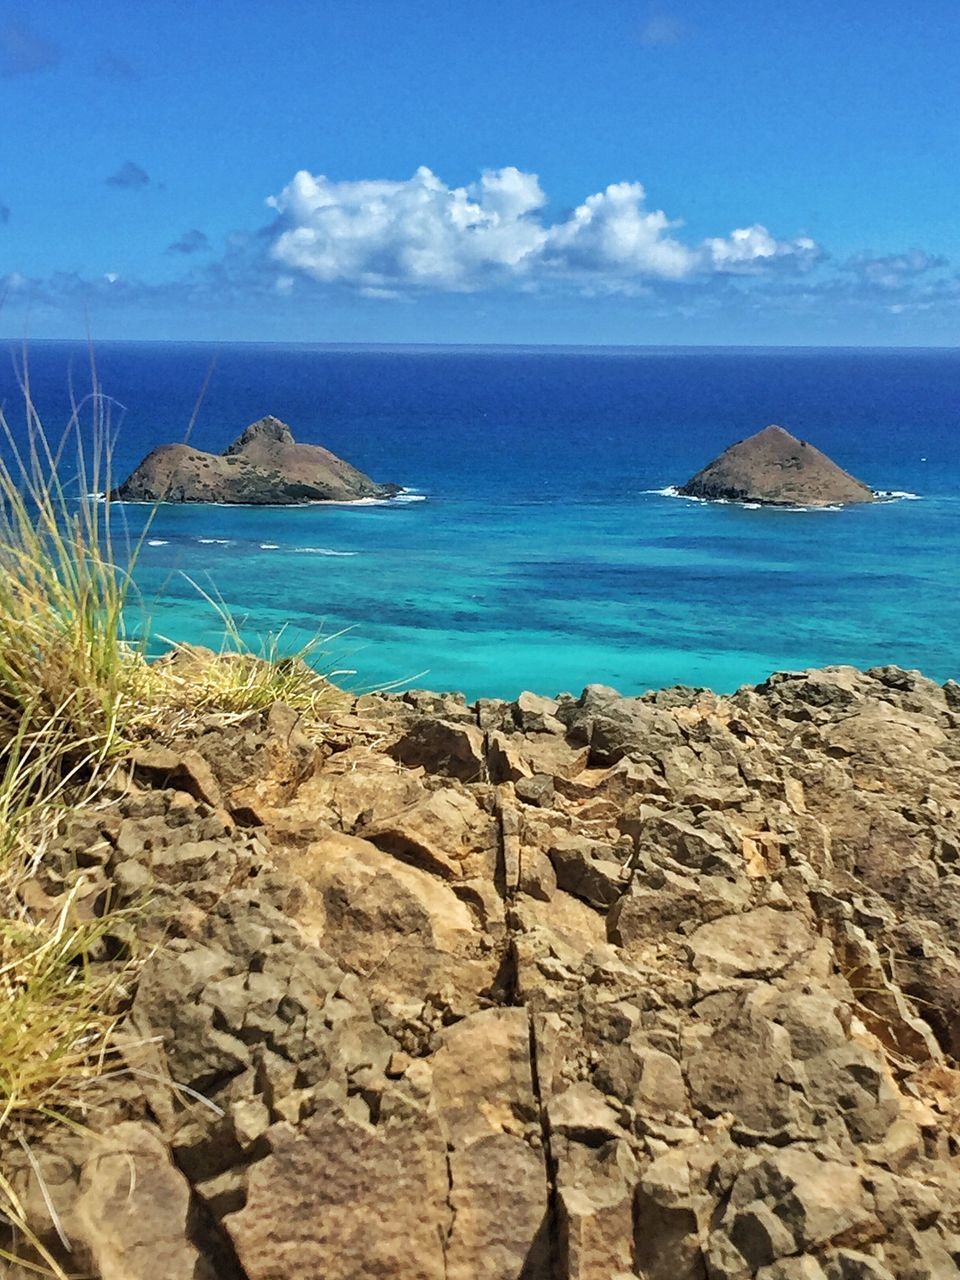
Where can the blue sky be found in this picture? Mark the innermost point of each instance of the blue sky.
(445, 170)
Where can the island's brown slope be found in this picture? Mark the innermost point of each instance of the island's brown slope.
(776, 469)
(263, 466)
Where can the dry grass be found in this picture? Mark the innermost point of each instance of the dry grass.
(74, 692)
(240, 679)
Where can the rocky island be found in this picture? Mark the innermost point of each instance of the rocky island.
(263, 467)
(774, 468)
(575, 988)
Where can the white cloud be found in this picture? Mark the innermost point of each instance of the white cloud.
(383, 236)
(379, 233)
(749, 248)
(613, 233)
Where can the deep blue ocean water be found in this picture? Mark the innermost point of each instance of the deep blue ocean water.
(542, 555)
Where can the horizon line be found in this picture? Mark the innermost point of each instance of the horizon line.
(414, 346)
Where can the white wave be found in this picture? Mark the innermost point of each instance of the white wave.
(897, 495)
(215, 542)
(323, 551)
(410, 495)
(350, 502)
(269, 546)
(157, 542)
(671, 491)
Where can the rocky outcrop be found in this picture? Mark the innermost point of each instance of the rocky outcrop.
(263, 466)
(774, 468)
(578, 989)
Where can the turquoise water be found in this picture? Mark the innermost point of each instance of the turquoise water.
(535, 550)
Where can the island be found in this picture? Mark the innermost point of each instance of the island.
(774, 468)
(263, 467)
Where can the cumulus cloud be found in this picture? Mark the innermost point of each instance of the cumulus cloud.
(753, 248)
(129, 176)
(379, 233)
(24, 51)
(385, 237)
(190, 242)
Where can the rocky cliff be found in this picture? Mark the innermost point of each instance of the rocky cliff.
(774, 468)
(592, 988)
(263, 466)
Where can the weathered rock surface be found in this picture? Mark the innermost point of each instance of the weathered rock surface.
(577, 989)
(774, 468)
(263, 466)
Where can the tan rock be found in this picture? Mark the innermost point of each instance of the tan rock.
(454, 750)
(595, 1189)
(427, 938)
(342, 1201)
(760, 943)
(444, 832)
(132, 1209)
(482, 1076)
(487, 1238)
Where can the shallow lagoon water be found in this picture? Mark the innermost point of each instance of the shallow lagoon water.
(538, 546)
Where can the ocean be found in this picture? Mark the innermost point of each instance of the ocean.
(536, 547)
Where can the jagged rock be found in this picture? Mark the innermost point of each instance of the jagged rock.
(455, 750)
(534, 714)
(757, 944)
(689, 1015)
(512, 757)
(667, 1210)
(774, 468)
(428, 938)
(133, 1208)
(848, 1264)
(485, 1240)
(445, 833)
(537, 790)
(483, 1087)
(614, 726)
(258, 759)
(187, 771)
(588, 870)
(816, 1201)
(315, 1206)
(595, 1190)
(264, 465)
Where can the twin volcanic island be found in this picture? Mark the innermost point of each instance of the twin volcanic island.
(265, 466)
(775, 469)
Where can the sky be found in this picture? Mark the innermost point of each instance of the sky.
(481, 171)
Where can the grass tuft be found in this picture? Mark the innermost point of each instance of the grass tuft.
(75, 692)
